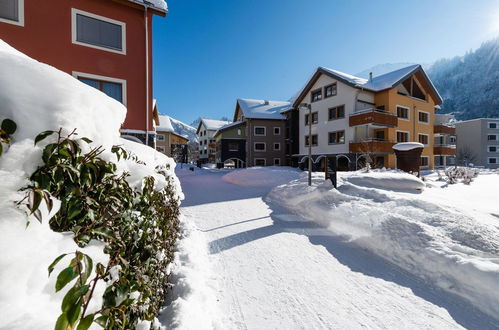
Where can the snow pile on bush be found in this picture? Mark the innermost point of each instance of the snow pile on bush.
(442, 244)
(262, 176)
(38, 98)
(389, 180)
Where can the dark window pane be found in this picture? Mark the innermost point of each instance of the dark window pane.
(113, 90)
(90, 82)
(9, 9)
(98, 33)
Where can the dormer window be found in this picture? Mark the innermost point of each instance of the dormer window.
(12, 12)
(316, 95)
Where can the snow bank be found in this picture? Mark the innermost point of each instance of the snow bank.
(439, 243)
(389, 180)
(405, 146)
(192, 302)
(38, 97)
(262, 176)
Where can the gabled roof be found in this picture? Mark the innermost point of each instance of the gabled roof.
(377, 84)
(211, 124)
(262, 109)
(229, 126)
(165, 125)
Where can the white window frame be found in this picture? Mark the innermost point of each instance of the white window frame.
(77, 74)
(425, 166)
(496, 135)
(160, 137)
(408, 112)
(278, 129)
(493, 146)
(408, 135)
(424, 122)
(279, 161)
(264, 131)
(489, 158)
(258, 150)
(493, 122)
(428, 138)
(276, 143)
(74, 40)
(20, 22)
(264, 161)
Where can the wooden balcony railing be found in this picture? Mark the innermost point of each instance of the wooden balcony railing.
(444, 129)
(371, 145)
(374, 117)
(444, 149)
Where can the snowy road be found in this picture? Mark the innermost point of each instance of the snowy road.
(273, 271)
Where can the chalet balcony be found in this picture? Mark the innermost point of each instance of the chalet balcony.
(375, 117)
(444, 130)
(371, 145)
(444, 149)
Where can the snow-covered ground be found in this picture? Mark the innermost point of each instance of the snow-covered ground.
(285, 256)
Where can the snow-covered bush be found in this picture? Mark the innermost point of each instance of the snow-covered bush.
(466, 174)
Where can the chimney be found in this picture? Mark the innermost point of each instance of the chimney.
(370, 76)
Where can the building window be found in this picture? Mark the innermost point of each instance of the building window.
(160, 137)
(493, 125)
(424, 117)
(337, 137)
(402, 113)
(277, 161)
(98, 32)
(423, 138)
(260, 131)
(233, 146)
(259, 161)
(493, 149)
(277, 131)
(277, 146)
(260, 146)
(12, 12)
(315, 118)
(337, 112)
(316, 95)
(492, 137)
(238, 131)
(425, 161)
(492, 160)
(314, 140)
(452, 139)
(402, 136)
(330, 90)
(115, 88)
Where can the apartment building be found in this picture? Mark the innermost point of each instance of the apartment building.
(106, 44)
(169, 142)
(207, 147)
(444, 145)
(264, 129)
(478, 142)
(359, 120)
(230, 141)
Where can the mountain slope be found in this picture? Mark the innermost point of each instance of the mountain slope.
(469, 84)
(183, 129)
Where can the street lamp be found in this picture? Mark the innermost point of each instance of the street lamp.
(309, 107)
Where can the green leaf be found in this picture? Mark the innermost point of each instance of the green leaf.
(89, 265)
(48, 200)
(35, 198)
(62, 323)
(64, 277)
(73, 296)
(56, 260)
(1, 148)
(9, 126)
(86, 322)
(42, 136)
(102, 320)
(106, 232)
(87, 140)
(74, 312)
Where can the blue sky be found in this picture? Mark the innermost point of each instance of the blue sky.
(209, 53)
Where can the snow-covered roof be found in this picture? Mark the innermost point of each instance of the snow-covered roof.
(156, 4)
(212, 124)
(263, 109)
(348, 77)
(230, 125)
(165, 124)
(390, 79)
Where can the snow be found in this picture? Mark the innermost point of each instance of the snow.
(51, 100)
(263, 109)
(283, 261)
(224, 127)
(388, 80)
(157, 4)
(165, 125)
(212, 124)
(350, 78)
(405, 146)
(387, 180)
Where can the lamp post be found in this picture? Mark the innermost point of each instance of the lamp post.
(309, 107)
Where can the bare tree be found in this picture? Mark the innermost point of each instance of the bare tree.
(466, 155)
